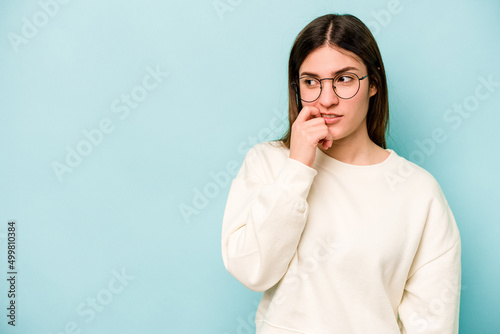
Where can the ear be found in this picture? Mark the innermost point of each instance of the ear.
(297, 99)
(373, 88)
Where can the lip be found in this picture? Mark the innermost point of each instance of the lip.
(329, 120)
(330, 114)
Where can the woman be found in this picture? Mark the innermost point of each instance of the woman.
(340, 233)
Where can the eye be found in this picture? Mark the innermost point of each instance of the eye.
(345, 79)
(310, 82)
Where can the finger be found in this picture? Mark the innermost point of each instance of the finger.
(328, 140)
(327, 143)
(314, 113)
(325, 137)
(317, 122)
(307, 113)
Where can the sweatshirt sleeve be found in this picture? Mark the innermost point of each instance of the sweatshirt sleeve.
(431, 297)
(263, 220)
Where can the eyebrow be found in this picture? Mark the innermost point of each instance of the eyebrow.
(334, 74)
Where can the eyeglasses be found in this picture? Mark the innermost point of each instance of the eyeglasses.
(345, 85)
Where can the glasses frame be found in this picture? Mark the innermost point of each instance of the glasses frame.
(297, 86)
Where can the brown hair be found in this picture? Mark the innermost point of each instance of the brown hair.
(349, 33)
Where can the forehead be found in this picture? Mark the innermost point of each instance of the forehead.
(328, 59)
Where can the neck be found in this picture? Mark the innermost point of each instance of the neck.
(356, 151)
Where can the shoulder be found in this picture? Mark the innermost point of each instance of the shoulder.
(264, 160)
(268, 151)
(274, 145)
(421, 194)
(405, 174)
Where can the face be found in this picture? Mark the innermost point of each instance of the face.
(327, 62)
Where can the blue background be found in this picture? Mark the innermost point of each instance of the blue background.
(146, 201)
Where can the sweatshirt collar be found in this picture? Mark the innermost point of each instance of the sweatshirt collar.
(332, 164)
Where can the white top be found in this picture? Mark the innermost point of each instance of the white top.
(341, 248)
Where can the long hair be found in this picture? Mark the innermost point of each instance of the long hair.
(349, 33)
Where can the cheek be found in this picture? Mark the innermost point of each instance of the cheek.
(357, 105)
(315, 104)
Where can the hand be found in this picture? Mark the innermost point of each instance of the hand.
(308, 130)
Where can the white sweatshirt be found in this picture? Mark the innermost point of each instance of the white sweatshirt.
(341, 248)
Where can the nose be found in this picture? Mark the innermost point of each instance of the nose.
(328, 96)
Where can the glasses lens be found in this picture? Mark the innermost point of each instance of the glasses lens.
(310, 88)
(346, 85)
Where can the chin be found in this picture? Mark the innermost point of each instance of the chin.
(337, 135)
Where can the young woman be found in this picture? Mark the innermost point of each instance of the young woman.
(340, 233)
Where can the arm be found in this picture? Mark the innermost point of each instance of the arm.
(431, 297)
(263, 221)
